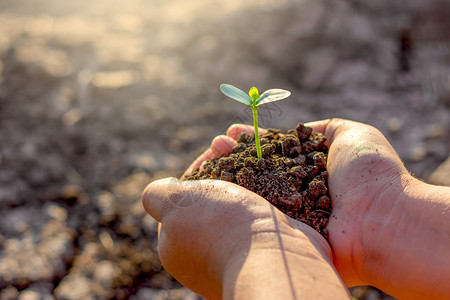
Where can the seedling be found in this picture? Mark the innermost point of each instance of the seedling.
(253, 99)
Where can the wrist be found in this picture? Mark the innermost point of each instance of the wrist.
(404, 248)
(380, 226)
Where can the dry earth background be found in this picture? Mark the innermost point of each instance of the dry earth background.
(99, 97)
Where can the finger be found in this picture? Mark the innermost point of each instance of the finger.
(319, 126)
(331, 128)
(208, 154)
(161, 197)
(222, 145)
(235, 130)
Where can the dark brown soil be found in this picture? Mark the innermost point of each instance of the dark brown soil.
(291, 175)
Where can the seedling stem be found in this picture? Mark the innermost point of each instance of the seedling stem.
(255, 125)
(253, 99)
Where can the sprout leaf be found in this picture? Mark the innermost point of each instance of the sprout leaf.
(253, 99)
(236, 94)
(272, 96)
(254, 94)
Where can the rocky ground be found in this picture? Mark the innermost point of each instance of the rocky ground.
(98, 98)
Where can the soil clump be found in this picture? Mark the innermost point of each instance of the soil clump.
(291, 174)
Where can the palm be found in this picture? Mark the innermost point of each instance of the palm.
(361, 166)
(215, 205)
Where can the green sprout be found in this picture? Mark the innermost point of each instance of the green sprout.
(253, 99)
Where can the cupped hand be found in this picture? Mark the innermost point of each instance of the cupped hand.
(365, 177)
(384, 227)
(209, 226)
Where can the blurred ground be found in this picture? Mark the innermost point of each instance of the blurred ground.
(97, 98)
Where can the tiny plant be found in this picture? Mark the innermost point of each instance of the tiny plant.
(254, 99)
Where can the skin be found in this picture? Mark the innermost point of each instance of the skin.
(216, 238)
(387, 229)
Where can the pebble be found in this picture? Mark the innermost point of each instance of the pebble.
(395, 124)
(418, 152)
(72, 116)
(76, 287)
(57, 212)
(114, 79)
(9, 293)
(29, 295)
(156, 294)
(105, 272)
(146, 161)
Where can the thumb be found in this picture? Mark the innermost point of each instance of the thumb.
(162, 197)
(331, 128)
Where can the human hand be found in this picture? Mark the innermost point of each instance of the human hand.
(220, 239)
(365, 176)
(361, 167)
(217, 236)
(384, 221)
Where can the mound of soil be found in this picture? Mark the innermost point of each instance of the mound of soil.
(291, 174)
